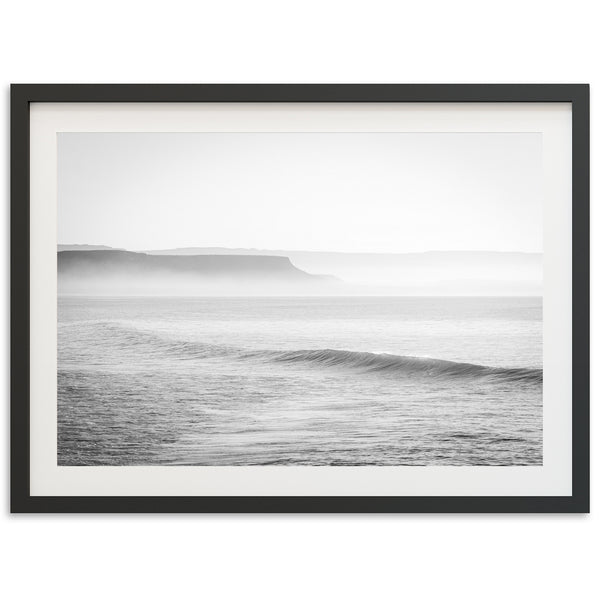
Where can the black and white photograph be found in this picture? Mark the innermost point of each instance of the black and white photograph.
(300, 299)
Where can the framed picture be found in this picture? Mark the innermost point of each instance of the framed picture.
(300, 298)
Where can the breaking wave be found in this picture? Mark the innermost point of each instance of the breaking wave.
(364, 362)
(404, 365)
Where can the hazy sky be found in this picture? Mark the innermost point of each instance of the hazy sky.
(367, 192)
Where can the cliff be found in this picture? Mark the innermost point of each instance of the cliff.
(115, 271)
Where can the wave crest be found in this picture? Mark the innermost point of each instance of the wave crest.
(406, 365)
(364, 362)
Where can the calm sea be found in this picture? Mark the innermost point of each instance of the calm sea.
(300, 381)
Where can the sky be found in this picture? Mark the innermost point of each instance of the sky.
(347, 192)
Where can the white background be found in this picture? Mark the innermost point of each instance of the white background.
(500, 556)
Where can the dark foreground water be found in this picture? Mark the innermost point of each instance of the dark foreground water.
(300, 381)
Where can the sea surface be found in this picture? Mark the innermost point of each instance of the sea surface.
(299, 381)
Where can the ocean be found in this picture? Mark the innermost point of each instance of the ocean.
(300, 381)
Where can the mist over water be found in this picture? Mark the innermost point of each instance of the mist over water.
(300, 381)
(252, 272)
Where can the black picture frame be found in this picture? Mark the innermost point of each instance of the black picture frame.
(22, 95)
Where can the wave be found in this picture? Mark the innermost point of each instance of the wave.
(364, 362)
(124, 336)
(405, 365)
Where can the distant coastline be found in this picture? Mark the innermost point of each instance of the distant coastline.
(107, 270)
(239, 271)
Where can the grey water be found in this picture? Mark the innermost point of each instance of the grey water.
(300, 381)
